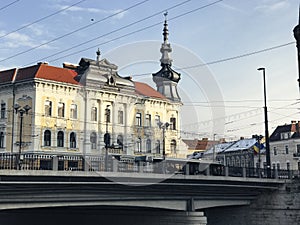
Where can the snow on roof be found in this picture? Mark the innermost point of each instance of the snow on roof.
(219, 148)
(242, 145)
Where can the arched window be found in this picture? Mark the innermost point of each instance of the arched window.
(148, 146)
(173, 146)
(238, 162)
(139, 145)
(47, 138)
(1, 140)
(120, 140)
(72, 140)
(93, 139)
(60, 139)
(242, 161)
(157, 146)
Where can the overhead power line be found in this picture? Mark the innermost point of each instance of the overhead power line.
(43, 18)
(133, 32)
(74, 31)
(111, 32)
(10, 4)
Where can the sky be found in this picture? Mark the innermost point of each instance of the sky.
(218, 45)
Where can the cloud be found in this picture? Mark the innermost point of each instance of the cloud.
(230, 7)
(120, 14)
(273, 5)
(16, 40)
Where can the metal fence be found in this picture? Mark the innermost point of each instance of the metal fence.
(63, 162)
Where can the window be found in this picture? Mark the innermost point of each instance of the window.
(93, 140)
(173, 123)
(107, 115)
(286, 149)
(148, 146)
(139, 145)
(173, 146)
(94, 114)
(48, 108)
(120, 117)
(120, 140)
(73, 111)
(148, 120)
(72, 140)
(288, 166)
(138, 119)
(61, 109)
(275, 151)
(157, 120)
(285, 135)
(1, 139)
(47, 138)
(298, 149)
(3, 110)
(278, 166)
(60, 139)
(157, 147)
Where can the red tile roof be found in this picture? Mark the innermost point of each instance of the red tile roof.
(47, 72)
(146, 90)
(44, 71)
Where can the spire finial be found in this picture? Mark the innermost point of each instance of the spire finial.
(98, 54)
(165, 31)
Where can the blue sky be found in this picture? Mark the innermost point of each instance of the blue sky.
(216, 30)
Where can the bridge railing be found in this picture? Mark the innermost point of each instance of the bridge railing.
(59, 162)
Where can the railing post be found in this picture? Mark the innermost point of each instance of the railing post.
(187, 169)
(115, 165)
(276, 173)
(244, 172)
(55, 163)
(140, 166)
(208, 171)
(226, 171)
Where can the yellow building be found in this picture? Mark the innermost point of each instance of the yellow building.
(72, 108)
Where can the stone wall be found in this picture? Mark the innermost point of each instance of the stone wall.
(281, 207)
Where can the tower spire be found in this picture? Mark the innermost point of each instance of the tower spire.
(165, 30)
(166, 79)
(165, 47)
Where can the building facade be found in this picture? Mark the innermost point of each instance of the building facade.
(89, 107)
(285, 147)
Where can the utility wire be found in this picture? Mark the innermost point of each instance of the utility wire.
(134, 32)
(74, 31)
(6, 6)
(226, 59)
(43, 18)
(106, 34)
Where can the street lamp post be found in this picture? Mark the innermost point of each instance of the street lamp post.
(268, 158)
(164, 126)
(21, 112)
(106, 136)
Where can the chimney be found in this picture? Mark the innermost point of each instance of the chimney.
(294, 126)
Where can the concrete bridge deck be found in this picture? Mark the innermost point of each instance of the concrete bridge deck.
(37, 189)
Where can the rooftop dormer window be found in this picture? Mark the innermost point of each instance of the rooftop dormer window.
(285, 135)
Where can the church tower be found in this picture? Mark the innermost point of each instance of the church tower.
(167, 79)
(297, 37)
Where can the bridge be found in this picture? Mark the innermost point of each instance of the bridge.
(137, 196)
(183, 196)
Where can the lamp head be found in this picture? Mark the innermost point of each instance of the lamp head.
(261, 68)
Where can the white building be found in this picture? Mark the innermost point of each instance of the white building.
(285, 146)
